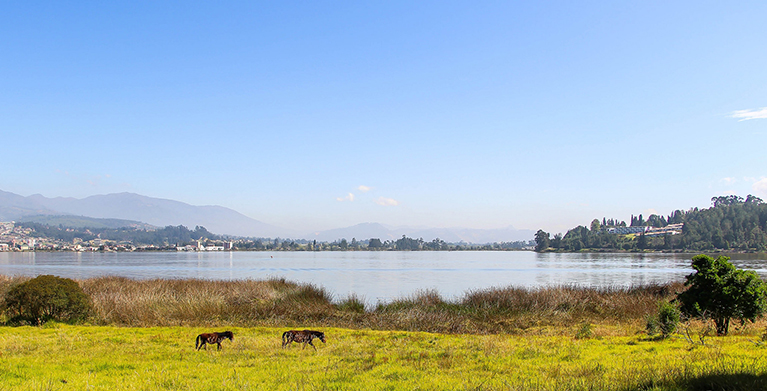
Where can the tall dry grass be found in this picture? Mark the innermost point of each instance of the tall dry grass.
(568, 305)
(277, 302)
(515, 309)
(162, 302)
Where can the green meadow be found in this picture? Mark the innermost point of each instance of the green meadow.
(65, 357)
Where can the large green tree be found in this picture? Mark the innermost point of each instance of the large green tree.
(720, 291)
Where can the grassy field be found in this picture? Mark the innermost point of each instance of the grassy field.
(63, 357)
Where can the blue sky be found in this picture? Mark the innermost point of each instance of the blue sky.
(318, 115)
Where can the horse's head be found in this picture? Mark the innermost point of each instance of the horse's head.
(229, 334)
(321, 336)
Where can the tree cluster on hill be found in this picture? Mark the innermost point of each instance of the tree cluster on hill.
(731, 223)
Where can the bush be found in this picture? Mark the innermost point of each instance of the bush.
(668, 318)
(47, 298)
(665, 322)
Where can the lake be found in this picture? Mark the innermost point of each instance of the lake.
(377, 276)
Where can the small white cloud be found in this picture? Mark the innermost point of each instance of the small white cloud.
(760, 187)
(364, 188)
(744, 115)
(729, 180)
(387, 201)
(349, 197)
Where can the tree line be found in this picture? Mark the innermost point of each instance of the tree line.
(731, 223)
(404, 243)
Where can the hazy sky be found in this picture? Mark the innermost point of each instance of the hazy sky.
(317, 115)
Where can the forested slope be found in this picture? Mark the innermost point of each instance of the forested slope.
(731, 223)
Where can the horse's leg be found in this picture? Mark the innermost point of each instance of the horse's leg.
(310, 343)
(219, 345)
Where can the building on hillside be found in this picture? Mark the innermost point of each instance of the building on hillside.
(6, 227)
(627, 230)
(671, 229)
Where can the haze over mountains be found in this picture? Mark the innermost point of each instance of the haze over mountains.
(220, 220)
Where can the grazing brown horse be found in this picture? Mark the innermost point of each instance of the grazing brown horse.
(303, 336)
(212, 338)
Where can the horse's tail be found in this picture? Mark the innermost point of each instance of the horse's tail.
(198, 342)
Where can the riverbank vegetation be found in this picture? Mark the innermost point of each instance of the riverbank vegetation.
(277, 302)
(717, 292)
(731, 224)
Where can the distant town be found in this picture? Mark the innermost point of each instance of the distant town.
(20, 238)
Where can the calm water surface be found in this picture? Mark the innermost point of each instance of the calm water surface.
(377, 276)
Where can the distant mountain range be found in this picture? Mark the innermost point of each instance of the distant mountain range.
(138, 210)
(71, 221)
(129, 206)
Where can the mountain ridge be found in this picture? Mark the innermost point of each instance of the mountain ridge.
(131, 206)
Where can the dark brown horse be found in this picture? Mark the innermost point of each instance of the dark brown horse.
(212, 338)
(302, 336)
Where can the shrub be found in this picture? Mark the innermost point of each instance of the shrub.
(665, 322)
(668, 318)
(47, 298)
